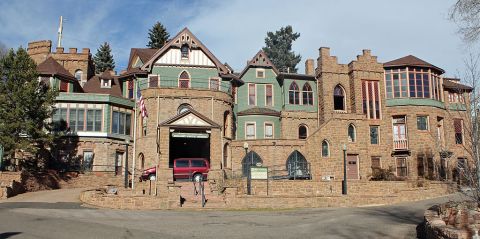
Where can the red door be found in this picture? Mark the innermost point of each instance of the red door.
(352, 167)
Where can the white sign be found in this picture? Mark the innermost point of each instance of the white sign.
(259, 173)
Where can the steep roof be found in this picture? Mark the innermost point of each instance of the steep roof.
(411, 61)
(177, 41)
(51, 67)
(132, 72)
(143, 53)
(93, 85)
(295, 76)
(259, 60)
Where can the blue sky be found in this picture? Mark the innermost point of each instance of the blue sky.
(235, 30)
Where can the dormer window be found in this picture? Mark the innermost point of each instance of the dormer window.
(184, 50)
(105, 83)
(78, 75)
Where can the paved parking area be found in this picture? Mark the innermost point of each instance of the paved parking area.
(35, 216)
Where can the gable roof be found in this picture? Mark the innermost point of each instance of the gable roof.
(411, 61)
(170, 121)
(259, 60)
(93, 85)
(178, 41)
(51, 67)
(143, 53)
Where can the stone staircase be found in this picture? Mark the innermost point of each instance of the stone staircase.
(190, 199)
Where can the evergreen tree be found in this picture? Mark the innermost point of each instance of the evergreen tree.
(158, 36)
(279, 49)
(25, 105)
(103, 59)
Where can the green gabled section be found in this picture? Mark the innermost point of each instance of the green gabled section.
(415, 102)
(457, 107)
(301, 107)
(250, 77)
(94, 98)
(259, 121)
(107, 118)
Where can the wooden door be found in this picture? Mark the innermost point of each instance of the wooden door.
(352, 167)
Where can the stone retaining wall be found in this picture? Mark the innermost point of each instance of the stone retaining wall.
(10, 184)
(282, 194)
(449, 221)
(93, 180)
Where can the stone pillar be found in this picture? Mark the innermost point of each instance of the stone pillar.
(309, 67)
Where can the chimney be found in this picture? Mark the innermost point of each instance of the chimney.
(59, 50)
(86, 50)
(309, 67)
(73, 50)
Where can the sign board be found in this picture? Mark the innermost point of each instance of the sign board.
(190, 135)
(259, 173)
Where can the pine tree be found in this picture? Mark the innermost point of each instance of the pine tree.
(103, 59)
(25, 105)
(279, 49)
(158, 36)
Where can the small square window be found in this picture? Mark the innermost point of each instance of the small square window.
(268, 130)
(250, 131)
(260, 73)
(422, 122)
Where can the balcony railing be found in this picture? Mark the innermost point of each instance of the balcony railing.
(399, 144)
(204, 84)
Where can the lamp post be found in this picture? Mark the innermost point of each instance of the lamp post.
(249, 176)
(344, 182)
(127, 142)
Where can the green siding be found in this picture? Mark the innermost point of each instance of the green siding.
(94, 98)
(457, 107)
(301, 107)
(259, 121)
(107, 118)
(415, 102)
(250, 77)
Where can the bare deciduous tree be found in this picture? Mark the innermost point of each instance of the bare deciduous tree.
(466, 13)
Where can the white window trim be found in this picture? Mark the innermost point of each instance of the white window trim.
(102, 85)
(301, 94)
(148, 81)
(428, 123)
(248, 94)
(265, 127)
(254, 129)
(273, 95)
(260, 70)
(210, 83)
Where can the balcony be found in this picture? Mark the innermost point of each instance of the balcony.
(202, 84)
(400, 144)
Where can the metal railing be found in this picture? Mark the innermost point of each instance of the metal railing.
(200, 83)
(293, 171)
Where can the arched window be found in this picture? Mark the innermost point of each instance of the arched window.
(252, 159)
(297, 165)
(142, 161)
(307, 94)
(184, 80)
(78, 75)
(325, 149)
(338, 98)
(226, 124)
(225, 155)
(302, 132)
(351, 133)
(294, 94)
(183, 107)
(185, 51)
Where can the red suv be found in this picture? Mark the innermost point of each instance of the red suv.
(194, 168)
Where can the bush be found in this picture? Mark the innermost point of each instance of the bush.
(381, 174)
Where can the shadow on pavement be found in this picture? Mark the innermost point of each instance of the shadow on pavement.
(41, 205)
(8, 234)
